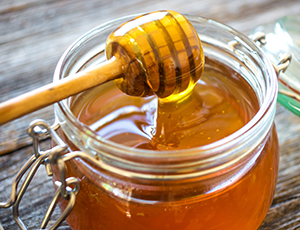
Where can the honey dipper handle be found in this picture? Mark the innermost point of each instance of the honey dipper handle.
(56, 91)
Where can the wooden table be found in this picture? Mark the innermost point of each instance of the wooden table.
(34, 34)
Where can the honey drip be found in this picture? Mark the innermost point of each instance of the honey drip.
(218, 106)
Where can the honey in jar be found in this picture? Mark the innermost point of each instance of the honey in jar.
(217, 107)
(206, 161)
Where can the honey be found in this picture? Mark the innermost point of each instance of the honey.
(221, 103)
(217, 107)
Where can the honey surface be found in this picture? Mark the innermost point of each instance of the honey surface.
(217, 107)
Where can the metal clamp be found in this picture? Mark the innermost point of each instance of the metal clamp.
(58, 156)
(38, 129)
(285, 60)
(283, 64)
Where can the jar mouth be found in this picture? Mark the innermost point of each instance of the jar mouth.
(249, 59)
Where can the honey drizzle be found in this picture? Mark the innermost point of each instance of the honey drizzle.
(221, 103)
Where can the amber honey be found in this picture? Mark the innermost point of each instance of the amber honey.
(217, 107)
(236, 198)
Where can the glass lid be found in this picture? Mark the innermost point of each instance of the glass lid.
(284, 37)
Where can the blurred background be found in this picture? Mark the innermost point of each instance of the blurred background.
(35, 33)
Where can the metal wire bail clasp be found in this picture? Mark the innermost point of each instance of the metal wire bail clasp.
(281, 66)
(284, 60)
(37, 130)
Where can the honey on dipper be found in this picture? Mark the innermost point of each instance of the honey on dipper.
(172, 104)
(162, 55)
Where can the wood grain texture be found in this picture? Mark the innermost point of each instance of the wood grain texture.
(35, 33)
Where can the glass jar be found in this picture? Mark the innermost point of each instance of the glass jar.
(228, 184)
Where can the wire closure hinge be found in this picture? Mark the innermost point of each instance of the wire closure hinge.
(283, 64)
(285, 60)
(37, 130)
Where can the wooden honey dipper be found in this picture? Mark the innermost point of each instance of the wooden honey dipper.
(156, 53)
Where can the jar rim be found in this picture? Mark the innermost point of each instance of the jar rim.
(267, 107)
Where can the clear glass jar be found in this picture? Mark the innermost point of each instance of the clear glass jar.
(228, 184)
